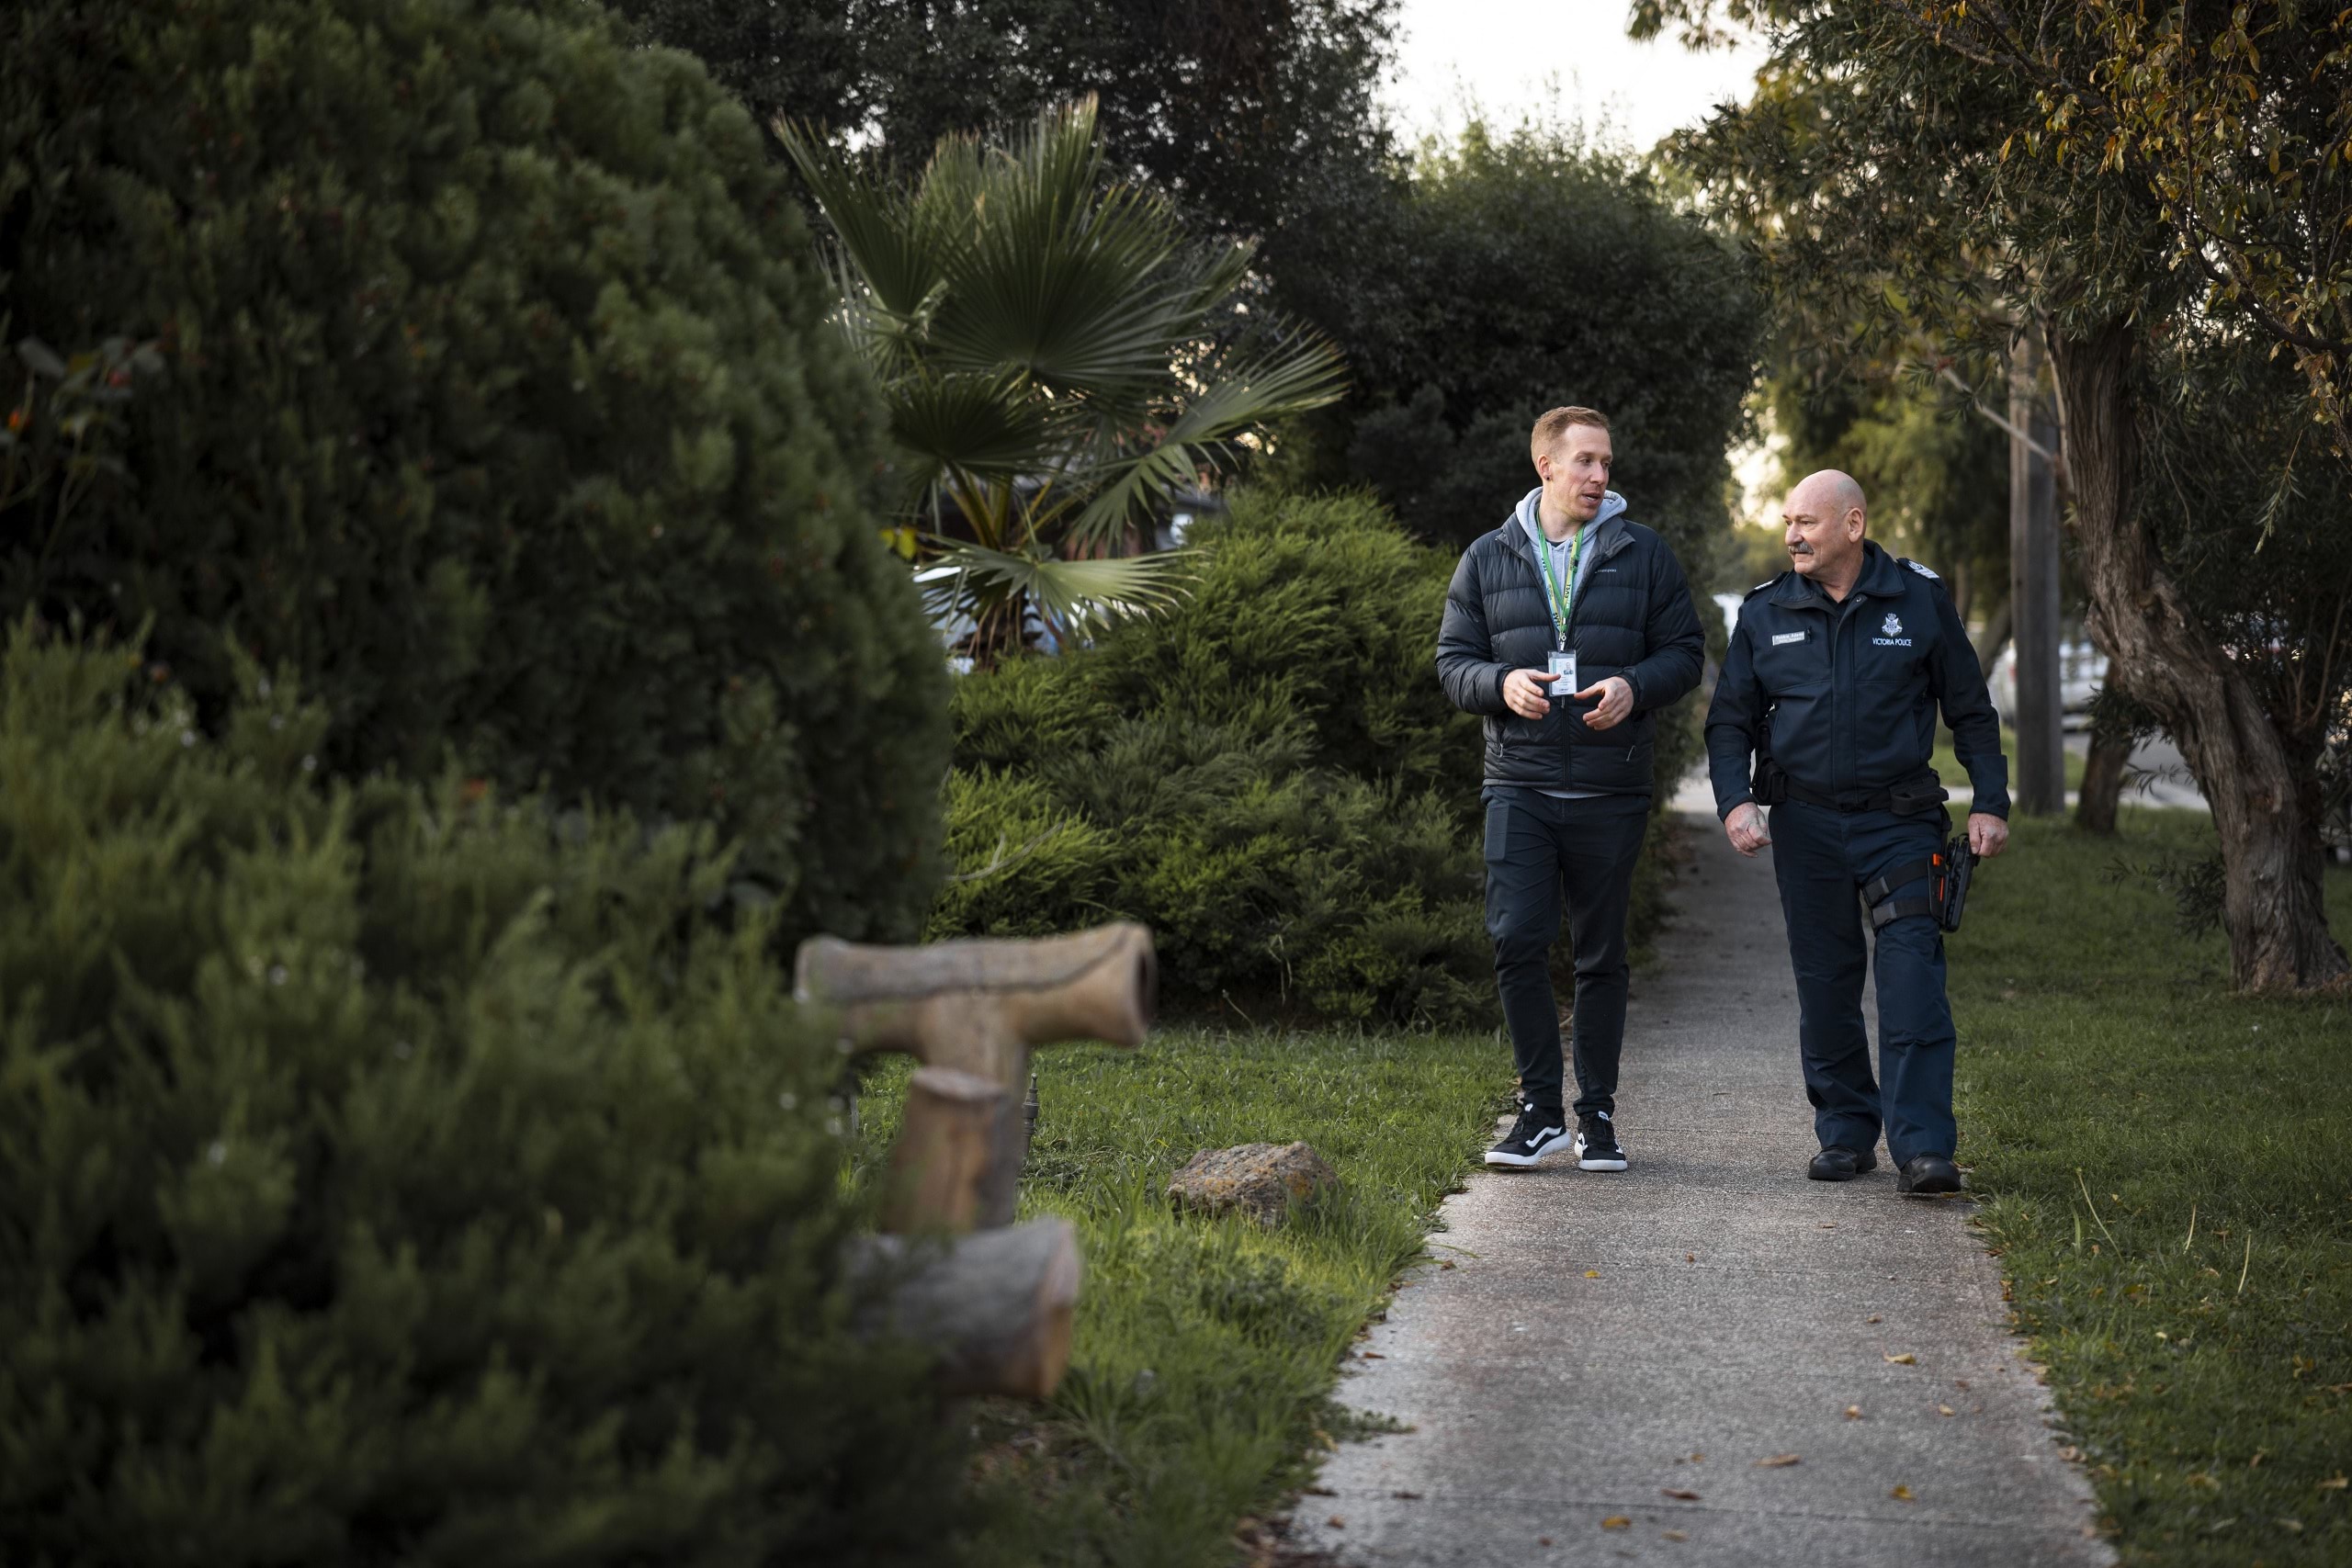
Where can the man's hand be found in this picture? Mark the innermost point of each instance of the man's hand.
(1616, 695)
(1525, 693)
(1745, 828)
(1987, 834)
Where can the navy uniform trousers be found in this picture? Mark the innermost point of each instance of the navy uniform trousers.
(1823, 859)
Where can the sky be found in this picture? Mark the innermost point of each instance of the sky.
(1569, 57)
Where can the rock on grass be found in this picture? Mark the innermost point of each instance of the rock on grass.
(1264, 1181)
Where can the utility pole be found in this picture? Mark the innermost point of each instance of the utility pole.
(2034, 584)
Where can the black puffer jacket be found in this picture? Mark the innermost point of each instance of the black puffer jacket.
(1634, 618)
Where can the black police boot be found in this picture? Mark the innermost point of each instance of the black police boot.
(1927, 1176)
(1531, 1137)
(1838, 1163)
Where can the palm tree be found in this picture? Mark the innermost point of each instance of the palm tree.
(1042, 340)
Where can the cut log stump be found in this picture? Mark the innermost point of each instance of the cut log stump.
(999, 1304)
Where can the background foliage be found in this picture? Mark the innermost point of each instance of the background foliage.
(1512, 274)
(406, 1175)
(496, 399)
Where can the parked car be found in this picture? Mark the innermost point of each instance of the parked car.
(2081, 668)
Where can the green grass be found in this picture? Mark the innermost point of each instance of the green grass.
(1206, 1350)
(1948, 766)
(2169, 1177)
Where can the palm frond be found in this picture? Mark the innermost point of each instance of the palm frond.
(1247, 391)
(1071, 593)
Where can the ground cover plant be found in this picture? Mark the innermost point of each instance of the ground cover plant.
(1206, 1350)
(2166, 1166)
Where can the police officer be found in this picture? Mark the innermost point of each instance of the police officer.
(1832, 681)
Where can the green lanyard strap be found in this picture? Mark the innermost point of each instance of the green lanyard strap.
(1561, 600)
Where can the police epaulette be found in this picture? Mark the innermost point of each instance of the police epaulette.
(1758, 587)
(1922, 570)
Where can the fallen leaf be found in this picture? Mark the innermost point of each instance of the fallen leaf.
(1373, 1356)
(1902, 1494)
(1904, 1359)
(1616, 1522)
(1853, 1413)
(1408, 1497)
(1777, 1462)
(1684, 1493)
(1542, 1540)
(1945, 1410)
(2293, 1527)
(1592, 1273)
(1320, 1492)
(1960, 1383)
(1336, 1522)
(2071, 1454)
(1696, 1459)
(2333, 1483)
(1872, 1318)
(1678, 1535)
(1445, 1263)
(1693, 1257)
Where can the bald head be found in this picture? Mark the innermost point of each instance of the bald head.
(1823, 523)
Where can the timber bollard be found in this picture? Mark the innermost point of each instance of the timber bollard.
(977, 1008)
(999, 1302)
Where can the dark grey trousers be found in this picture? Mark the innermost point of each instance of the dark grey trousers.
(1542, 850)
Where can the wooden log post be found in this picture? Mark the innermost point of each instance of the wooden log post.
(976, 1009)
(943, 1152)
(998, 1305)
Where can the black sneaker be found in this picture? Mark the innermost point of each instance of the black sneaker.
(1531, 1138)
(1597, 1145)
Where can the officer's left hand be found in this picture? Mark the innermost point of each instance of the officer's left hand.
(1987, 834)
(1616, 695)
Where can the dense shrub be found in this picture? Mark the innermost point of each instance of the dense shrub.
(497, 398)
(1270, 776)
(392, 1175)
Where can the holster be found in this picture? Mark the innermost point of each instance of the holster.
(1948, 871)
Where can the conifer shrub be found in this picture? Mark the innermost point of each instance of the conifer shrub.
(1269, 775)
(497, 398)
(398, 1174)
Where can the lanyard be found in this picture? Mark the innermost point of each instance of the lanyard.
(1559, 600)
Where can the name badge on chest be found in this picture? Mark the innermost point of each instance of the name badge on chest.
(1564, 665)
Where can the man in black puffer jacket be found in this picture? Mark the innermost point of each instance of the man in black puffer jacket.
(1570, 596)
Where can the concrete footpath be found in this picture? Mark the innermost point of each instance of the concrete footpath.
(1707, 1358)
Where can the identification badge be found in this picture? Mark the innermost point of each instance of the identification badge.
(1564, 665)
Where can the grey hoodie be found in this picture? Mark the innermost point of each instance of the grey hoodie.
(1612, 505)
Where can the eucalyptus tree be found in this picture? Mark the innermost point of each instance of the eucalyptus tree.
(1041, 336)
(1885, 173)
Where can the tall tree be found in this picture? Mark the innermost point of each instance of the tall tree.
(1514, 272)
(1883, 172)
(1260, 118)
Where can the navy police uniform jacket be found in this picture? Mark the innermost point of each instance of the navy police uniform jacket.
(1844, 696)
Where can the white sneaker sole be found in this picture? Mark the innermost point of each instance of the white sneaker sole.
(1583, 1164)
(1520, 1162)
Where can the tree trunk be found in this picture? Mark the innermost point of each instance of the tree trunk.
(2271, 906)
(2102, 783)
(1997, 637)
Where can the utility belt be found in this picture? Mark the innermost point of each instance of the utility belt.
(1947, 871)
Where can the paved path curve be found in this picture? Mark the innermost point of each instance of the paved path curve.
(1602, 1341)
